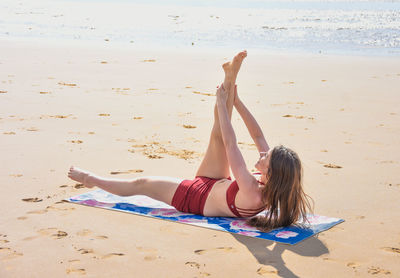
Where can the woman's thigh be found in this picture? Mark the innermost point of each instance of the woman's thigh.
(215, 163)
(158, 187)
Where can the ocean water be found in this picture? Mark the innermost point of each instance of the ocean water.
(314, 26)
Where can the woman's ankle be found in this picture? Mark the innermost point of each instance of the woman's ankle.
(89, 180)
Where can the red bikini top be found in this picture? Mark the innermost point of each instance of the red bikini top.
(230, 199)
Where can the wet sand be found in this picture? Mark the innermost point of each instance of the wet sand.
(130, 112)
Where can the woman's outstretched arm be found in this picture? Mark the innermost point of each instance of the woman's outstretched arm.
(251, 124)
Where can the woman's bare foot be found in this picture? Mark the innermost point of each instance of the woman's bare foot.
(79, 175)
(232, 68)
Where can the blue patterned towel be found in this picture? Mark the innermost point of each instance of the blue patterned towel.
(146, 206)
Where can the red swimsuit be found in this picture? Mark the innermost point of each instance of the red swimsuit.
(191, 196)
(239, 212)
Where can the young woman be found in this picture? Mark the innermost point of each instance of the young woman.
(277, 187)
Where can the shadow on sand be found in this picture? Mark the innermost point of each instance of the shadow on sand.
(311, 247)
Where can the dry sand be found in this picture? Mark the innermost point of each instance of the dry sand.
(127, 112)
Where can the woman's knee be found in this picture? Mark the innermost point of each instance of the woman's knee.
(140, 185)
(216, 132)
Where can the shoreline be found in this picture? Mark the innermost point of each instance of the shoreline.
(218, 50)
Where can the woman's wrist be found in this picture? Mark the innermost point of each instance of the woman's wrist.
(237, 102)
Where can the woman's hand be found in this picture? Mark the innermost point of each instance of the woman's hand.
(222, 95)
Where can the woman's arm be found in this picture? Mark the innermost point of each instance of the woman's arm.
(244, 178)
(251, 124)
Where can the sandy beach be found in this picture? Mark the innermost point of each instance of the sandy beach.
(127, 112)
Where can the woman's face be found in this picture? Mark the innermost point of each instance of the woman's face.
(262, 164)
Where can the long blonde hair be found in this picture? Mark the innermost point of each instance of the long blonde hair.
(283, 194)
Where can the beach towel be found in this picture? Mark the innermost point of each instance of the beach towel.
(145, 206)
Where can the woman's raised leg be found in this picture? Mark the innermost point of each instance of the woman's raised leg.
(159, 188)
(215, 162)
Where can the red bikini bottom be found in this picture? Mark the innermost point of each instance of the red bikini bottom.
(191, 195)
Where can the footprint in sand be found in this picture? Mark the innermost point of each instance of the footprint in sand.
(110, 255)
(266, 271)
(377, 270)
(67, 84)
(218, 249)
(204, 94)
(150, 258)
(126, 172)
(10, 254)
(297, 117)
(80, 271)
(41, 211)
(353, 265)
(60, 116)
(154, 156)
(184, 114)
(151, 253)
(193, 264)
(246, 144)
(85, 251)
(84, 232)
(76, 141)
(87, 232)
(391, 249)
(197, 265)
(79, 186)
(152, 89)
(53, 232)
(33, 200)
(59, 209)
(332, 166)
(59, 235)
